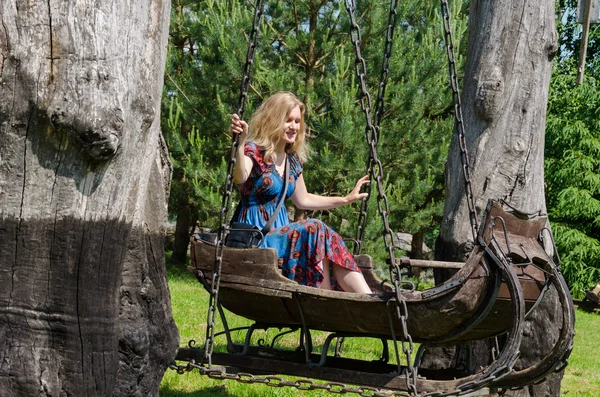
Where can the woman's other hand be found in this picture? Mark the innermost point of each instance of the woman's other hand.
(238, 126)
(244, 163)
(355, 194)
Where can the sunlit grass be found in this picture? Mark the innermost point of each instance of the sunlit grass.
(582, 375)
(189, 301)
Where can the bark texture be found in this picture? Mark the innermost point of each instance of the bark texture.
(511, 45)
(84, 178)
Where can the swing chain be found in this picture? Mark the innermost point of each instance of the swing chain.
(458, 116)
(371, 133)
(376, 172)
(406, 341)
(378, 115)
(334, 387)
(278, 382)
(226, 202)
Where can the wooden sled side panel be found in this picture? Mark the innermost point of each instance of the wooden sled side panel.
(251, 283)
(252, 286)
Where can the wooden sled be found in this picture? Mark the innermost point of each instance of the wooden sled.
(488, 296)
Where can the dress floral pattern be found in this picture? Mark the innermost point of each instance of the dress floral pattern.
(300, 246)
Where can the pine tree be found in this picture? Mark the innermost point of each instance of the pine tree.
(206, 53)
(418, 119)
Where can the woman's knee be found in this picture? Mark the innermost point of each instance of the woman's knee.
(317, 223)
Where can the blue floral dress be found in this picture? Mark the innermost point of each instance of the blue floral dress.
(300, 246)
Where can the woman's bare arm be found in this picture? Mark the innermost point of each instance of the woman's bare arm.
(308, 201)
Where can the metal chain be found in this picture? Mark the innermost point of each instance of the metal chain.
(378, 115)
(376, 173)
(226, 202)
(458, 116)
(277, 381)
(334, 387)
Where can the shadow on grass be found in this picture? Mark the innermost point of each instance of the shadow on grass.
(179, 272)
(588, 306)
(216, 391)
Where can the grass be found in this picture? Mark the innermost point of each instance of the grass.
(582, 375)
(189, 302)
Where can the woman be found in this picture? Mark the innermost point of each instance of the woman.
(309, 252)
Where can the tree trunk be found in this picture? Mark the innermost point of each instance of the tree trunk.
(509, 62)
(507, 76)
(182, 233)
(84, 177)
(416, 252)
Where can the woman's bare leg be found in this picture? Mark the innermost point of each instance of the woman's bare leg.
(349, 280)
(324, 265)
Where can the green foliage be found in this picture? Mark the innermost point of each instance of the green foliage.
(198, 183)
(418, 120)
(572, 162)
(204, 68)
(572, 166)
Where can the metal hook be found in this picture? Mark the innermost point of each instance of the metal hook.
(554, 249)
(505, 235)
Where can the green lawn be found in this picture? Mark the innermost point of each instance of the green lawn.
(189, 301)
(582, 375)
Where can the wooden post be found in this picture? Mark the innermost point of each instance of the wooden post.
(594, 295)
(584, 40)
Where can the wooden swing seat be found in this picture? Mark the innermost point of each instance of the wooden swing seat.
(504, 277)
(252, 286)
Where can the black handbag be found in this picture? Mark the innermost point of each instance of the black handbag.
(246, 235)
(243, 235)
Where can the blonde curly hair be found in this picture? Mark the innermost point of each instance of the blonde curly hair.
(268, 121)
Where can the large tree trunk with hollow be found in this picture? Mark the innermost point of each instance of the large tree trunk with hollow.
(84, 177)
(511, 45)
